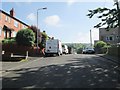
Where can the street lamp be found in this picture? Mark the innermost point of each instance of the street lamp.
(91, 38)
(37, 24)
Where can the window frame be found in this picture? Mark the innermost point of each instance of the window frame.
(16, 23)
(0, 15)
(0, 31)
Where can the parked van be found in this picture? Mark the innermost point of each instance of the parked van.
(65, 49)
(53, 46)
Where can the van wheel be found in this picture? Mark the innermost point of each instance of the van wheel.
(58, 54)
(46, 54)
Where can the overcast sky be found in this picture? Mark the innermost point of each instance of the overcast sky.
(65, 20)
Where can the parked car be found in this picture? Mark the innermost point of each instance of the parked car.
(53, 46)
(65, 49)
(88, 51)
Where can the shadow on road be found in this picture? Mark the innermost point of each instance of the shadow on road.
(80, 73)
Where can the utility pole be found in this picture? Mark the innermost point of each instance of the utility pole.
(37, 25)
(91, 38)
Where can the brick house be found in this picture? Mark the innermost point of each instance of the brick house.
(111, 36)
(10, 25)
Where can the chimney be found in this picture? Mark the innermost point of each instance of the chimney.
(12, 13)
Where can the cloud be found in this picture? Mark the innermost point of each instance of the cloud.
(70, 2)
(31, 17)
(84, 37)
(53, 20)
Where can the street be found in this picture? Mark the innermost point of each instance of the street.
(66, 71)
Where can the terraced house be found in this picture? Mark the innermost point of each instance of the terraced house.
(111, 36)
(9, 24)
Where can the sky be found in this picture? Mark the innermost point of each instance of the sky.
(65, 20)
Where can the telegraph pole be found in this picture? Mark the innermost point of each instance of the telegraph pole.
(91, 38)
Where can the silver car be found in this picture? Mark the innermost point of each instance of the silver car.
(88, 51)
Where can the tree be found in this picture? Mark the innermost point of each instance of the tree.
(100, 44)
(34, 29)
(25, 37)
(43, 39)
(109, 17)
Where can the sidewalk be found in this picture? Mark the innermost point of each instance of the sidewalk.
(111, 58)
(4, 65)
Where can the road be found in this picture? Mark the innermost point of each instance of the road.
(67, 71)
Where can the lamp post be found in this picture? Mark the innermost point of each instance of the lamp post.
(91, 38)
(37, 24)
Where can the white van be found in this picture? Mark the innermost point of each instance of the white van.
(65, 49)
(53, 46)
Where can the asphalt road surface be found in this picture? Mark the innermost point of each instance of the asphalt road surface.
(67, 71)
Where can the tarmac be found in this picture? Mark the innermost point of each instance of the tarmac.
(4, 65)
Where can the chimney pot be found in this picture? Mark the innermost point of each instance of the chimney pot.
(12, 12)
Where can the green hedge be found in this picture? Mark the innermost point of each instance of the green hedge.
(9, 41)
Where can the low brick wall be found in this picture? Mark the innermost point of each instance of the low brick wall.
(20, 50)
(100, 50)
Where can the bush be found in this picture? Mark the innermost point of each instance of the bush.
(25, 37)
(100, 44)
(9, 41)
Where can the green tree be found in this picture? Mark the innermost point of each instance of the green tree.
(35, 29)
(25, 37)
(100, 44)
(43, 39)
(109, 17)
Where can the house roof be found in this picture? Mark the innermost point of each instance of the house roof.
(13, 17)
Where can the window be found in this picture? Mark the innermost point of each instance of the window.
(107, 38)
(110, 38)
(6, 19)
(0, 31)
(24, 26)
(9, 19)
(0, 15)
(14, 34)
(15, 23)
(117, 37)
(5, 34)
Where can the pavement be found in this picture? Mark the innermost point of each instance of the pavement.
(8, 65)
(110, 58)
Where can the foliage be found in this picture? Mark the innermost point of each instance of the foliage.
(108, 17)
(44, 38)
(25, 37)
(9, 41)
(35, 29)
(100, 44)
(76, 46)
(44, 35)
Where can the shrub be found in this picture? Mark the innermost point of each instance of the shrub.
(35, 29)
(9, 41)
(100, 44)
(25, 37)
(44, 38)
